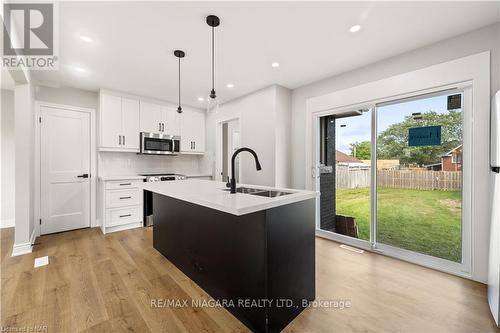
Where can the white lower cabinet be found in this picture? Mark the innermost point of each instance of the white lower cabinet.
(121, 204)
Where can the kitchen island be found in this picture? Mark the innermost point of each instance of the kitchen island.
(252, 252)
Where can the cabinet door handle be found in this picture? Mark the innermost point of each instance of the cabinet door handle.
(125, 184)
(126, 215)
(124, 140)
(163, 127)
(159, 127)
(119, 140)
(194, 145)
(121, 198)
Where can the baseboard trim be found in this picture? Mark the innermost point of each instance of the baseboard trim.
(24, 248)
(20, 249)
(7, 223)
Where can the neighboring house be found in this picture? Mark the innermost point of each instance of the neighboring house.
(450, 161)
(349, 161)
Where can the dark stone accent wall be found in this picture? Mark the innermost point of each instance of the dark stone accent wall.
(327, 180)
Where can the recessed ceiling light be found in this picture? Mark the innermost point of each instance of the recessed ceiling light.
(275, 64)
(79, 69)
(86, 39)
(229, 85)
(355, 28)
(201, 99)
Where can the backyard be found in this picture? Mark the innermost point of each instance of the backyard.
(423, 221)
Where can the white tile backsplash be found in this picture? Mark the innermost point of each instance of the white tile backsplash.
(115, 163)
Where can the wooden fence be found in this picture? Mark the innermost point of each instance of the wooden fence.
(409, 179)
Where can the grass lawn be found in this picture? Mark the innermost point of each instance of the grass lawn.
(428, 222)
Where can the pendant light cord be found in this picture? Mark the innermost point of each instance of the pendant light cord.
(213, 57)
(179, 82)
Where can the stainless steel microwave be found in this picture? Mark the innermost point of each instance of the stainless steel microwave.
(159, 144)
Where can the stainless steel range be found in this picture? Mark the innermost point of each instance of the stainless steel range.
(148, 196)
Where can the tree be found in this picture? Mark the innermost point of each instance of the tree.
(361, 150)
(393, 142)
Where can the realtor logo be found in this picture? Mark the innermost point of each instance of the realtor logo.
(29, 36)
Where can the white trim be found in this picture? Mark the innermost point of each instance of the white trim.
(7, 223)
(116, 228)
(24, 248)
(471, 70)
(93, 160)
(20, 249)
(218, 144)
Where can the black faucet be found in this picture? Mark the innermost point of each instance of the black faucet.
(232, 183)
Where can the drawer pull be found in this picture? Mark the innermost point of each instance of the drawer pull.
(126, 184)
(121, 198)
(126, 215)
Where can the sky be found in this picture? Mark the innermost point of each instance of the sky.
(358, 128)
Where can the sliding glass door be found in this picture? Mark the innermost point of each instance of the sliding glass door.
(391, 178)
(344, 174)
(419, 176)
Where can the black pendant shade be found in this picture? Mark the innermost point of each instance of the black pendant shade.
(213, 21)
(179, 54)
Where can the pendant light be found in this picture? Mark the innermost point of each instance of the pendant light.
(179, 54)
(213, 21)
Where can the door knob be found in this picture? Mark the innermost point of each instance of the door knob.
(85, 175)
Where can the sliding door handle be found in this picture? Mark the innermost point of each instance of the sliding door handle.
(85, 175)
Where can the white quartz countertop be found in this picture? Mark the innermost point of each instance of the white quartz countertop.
(124, 177)
(212, 194)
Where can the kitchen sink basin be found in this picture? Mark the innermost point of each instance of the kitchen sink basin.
(261, 192)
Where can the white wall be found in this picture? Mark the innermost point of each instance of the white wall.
(484, 39)
(283, 107)
(265, 128)
(68, 96)
(7, 213)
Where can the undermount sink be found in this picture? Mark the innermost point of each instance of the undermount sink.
(261, 192)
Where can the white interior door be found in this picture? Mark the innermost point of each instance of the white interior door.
(64, 162)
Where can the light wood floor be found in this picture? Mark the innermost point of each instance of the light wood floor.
(98, 283)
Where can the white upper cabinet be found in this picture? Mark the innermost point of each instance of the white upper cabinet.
(151, 117)
(192, 132)
(110, 112)
(156, 118)
(130, 121)
(122, 117)
(118, 123)
(172, 120)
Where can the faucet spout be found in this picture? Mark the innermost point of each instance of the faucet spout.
(257, 165)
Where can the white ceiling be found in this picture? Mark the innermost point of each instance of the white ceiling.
(133, 42)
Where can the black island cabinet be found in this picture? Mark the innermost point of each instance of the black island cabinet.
(260, 266)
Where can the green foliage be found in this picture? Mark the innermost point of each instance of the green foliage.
(393, 142)
(361, 150)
